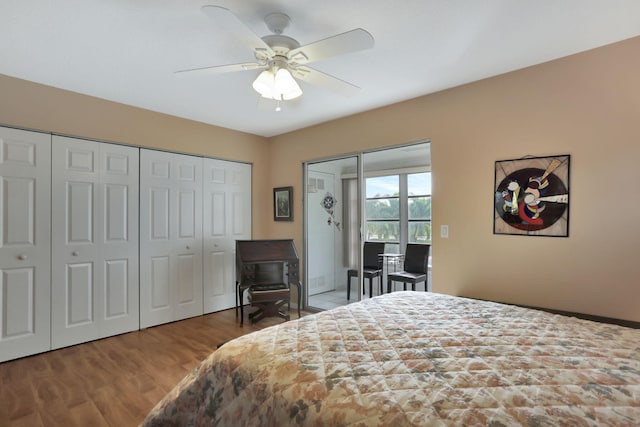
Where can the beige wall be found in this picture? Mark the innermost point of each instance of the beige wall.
(586, 105)
(33, 106)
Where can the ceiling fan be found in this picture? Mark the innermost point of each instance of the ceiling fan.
(282, 58)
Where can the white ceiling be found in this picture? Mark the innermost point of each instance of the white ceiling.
(127, 50)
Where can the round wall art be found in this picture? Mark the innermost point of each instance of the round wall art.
(532, 196)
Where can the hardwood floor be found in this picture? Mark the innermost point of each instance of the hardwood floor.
(114, 381)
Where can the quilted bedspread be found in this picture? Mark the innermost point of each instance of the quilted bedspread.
(416, 358)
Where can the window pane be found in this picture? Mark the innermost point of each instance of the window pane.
(382, 231)
(391, 248)
(382, 209)
(420, 208)
(419, 184)
(382, 186)
(420, 232)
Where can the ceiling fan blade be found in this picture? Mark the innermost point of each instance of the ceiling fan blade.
(351, 41)
(219, 69)
(225, 20)
(325, 81)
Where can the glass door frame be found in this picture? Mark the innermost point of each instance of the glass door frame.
(360, 178)
(356, 290)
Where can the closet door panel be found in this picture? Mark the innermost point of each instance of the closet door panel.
(159, 283)
(216, 271)
(79, 221)
(95, 217)
(78, 293)
(186, 214)
(19, 215)
(156, 242)
(239, 213)
(25, 250)
(218, 217)
(219, 286)
(117, 286)
(159, 214)
(119, 239)
(187, 292)
(227, 217)
(18, 296)
(171, 240)
(75, 181)
(188, 248)
(116, 207)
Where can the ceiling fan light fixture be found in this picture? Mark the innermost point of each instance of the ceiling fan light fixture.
(264, 84)
(285, 86)
(280, 85)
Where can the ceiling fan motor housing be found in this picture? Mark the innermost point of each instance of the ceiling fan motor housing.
(277, 22)
(280, 44)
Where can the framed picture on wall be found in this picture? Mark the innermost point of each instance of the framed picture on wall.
(531, 196)
(283, 204)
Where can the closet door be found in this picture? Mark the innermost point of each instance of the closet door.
(25, 209)
(227, 218)
(95, 240)
(170, 237)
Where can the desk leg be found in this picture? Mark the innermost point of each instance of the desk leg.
(241, 294)
(237, 297)
(299, 285)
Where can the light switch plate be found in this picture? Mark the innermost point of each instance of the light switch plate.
(444, 231)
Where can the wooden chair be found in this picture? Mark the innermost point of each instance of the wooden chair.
(415, 269)
(268, 292)
(268, 300)
(372, 266)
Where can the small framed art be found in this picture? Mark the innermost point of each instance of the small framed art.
(283, 204)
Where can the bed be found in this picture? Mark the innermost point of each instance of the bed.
(416, 358)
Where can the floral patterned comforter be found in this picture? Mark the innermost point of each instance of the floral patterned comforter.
(416, 358)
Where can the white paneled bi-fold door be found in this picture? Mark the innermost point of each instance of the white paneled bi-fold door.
(170, 237)
(227, 218)
(95, 235)
(25, 209)
(98, 239)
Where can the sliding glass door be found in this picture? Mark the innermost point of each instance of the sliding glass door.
(378, 196)
(397, 201)
(331, 204)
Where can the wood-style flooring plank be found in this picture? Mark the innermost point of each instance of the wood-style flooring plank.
(113, 382)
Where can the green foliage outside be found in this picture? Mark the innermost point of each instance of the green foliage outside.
(379, 210)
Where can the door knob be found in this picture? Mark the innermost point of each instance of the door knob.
(188, 247)
(75, 253)
(22, 257)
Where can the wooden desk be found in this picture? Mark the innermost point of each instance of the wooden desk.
(263, 262)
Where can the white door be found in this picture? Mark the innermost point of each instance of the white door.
(95, 240)
(170, 237)
(321, 268)
(25, 218)
(227, 218)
